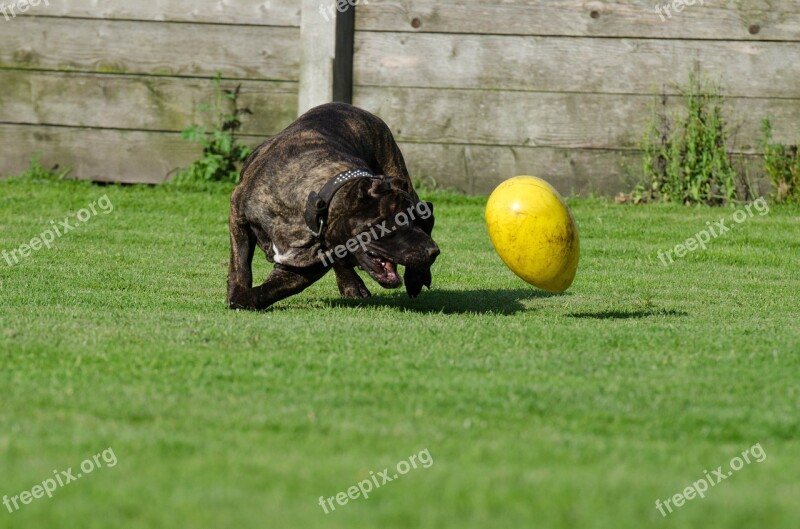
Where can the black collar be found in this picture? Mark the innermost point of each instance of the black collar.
(316, 214)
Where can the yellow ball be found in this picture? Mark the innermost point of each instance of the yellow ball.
(534, 232)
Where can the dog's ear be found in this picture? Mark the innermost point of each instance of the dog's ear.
(400, 184)
(427, 222)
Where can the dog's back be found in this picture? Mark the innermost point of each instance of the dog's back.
(321, 142)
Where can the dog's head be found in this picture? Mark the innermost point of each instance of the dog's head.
(382, 224)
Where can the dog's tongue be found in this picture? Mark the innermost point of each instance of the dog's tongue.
(390, 269)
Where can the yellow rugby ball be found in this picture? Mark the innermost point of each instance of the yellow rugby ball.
(533, 231)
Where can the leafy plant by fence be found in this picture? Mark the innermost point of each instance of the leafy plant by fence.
(222, 152)
(686, 157)
(38, 173)
(782, 165)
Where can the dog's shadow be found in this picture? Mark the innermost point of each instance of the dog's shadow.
(504, 302)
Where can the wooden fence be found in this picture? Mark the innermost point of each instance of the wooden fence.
(105, 87)
(478, 90)
(475, 90)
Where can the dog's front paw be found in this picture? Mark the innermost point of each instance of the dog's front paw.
(415, 279)
(243, 298)
(350, 285)
(354, 291)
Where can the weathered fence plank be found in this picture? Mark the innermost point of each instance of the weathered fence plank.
(97, 154)
(479, 168)
(326, 39)
(568, 64)
(318, 45)
(564, 120)
(136, 102)
(244, 12)
(721, 19)
(164, 48)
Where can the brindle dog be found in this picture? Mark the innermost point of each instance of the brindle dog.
(280, 179)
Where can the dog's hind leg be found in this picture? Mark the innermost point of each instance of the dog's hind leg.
(350, 284)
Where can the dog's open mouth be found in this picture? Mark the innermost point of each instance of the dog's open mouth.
(381, 270)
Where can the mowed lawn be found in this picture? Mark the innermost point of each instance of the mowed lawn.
(539, 411)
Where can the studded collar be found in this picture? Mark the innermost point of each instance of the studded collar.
(316, 213)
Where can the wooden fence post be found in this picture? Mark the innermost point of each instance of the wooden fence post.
(326, 58)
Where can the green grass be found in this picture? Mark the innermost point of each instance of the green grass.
(547, 411)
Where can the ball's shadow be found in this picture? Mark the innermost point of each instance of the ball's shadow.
(436, 301)
(626, 315)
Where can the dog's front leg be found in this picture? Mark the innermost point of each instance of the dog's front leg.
(240, 271)
(282, 282)
(349, 283)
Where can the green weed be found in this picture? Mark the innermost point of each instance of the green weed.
(782, 165)
(222, 152)
(36, 172)
(686, 155)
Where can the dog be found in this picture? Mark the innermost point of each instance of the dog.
(330, 191)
